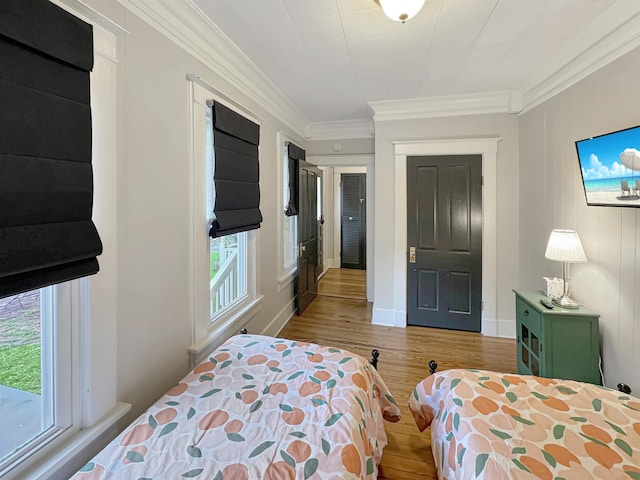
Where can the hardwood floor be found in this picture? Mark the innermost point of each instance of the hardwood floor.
(404, 354)
(344, 282)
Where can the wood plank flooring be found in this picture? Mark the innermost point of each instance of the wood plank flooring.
(404, 355)
(344, 282)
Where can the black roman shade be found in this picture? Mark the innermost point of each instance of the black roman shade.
(236, 173)
(295, 154)
(46, 179)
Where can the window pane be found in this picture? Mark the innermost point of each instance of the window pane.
(227, 267)
(290, 223)
(21, 397)
(290, 241)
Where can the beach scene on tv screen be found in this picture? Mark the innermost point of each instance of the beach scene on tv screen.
(610, 167)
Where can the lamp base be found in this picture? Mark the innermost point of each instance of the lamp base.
(565, 302)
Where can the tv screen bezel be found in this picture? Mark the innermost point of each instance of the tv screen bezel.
(619, 203)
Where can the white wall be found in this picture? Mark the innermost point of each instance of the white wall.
(463, 127)
(552, 196)
(152, 209)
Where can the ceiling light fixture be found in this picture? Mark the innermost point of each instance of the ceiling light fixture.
(400, 10)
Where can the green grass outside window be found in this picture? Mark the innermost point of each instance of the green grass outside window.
(21, 367)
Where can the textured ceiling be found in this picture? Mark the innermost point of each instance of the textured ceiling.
(331, 57)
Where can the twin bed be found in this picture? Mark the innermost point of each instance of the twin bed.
(276, 409)
(259, 408)
(499, 426)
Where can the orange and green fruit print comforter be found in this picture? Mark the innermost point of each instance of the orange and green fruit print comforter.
(259, 408)
(497, 426)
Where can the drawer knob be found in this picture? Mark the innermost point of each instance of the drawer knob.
(526, 313)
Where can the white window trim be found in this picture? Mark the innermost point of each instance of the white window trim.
(285, 275)
(93, 300)
(205, 333)
(56, 366)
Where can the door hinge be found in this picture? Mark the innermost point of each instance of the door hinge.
(482, 181)
(482, 305)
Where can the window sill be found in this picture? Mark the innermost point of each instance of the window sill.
(223, 329)
(286, 279)
(64, 459)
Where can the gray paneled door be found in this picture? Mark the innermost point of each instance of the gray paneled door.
(307, 280)
(353, 224)
(444, 236)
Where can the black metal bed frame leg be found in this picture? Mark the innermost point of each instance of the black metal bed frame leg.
(374, 358)
(432, 366)
(624, 388)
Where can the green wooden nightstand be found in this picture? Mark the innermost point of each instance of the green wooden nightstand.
(556, 343)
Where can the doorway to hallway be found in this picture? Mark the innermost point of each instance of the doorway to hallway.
(344, 283)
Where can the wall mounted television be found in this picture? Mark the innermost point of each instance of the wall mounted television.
(610, 168)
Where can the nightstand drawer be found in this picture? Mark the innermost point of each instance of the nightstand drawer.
(527, 315)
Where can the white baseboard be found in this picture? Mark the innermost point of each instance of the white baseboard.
(389, 318)
(499, 328)
(331, 263)
(489, 328)
(507, 328)
(277, 324)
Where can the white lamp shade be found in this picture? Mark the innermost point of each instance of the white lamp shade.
(565, 246)
(401, 10)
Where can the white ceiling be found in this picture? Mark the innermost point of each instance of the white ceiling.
(331, 57)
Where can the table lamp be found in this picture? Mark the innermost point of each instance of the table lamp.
(565, 246)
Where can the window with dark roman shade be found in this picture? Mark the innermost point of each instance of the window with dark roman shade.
(46, 179)
(236, 173)
(295, 154)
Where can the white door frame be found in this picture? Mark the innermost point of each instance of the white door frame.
(488, 148)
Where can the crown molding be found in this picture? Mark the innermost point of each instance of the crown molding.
(90, 15)
(446, 106)
(607, 38)
(340, 130)
(188, 27)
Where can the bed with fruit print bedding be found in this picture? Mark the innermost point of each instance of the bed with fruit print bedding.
(259, 408)
(499, 426)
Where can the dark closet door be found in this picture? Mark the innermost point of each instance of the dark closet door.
(444, 234)
(307, 280)
(353, 244)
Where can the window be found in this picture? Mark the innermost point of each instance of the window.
(228, 267)
(290, 223)
(60, 340)
(227, 254)
(77, 339)
(287, 224)
(223, 287)
(34, 365)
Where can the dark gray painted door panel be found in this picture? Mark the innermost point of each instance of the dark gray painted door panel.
(353, 229)
(307, 278)
(444, 224)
